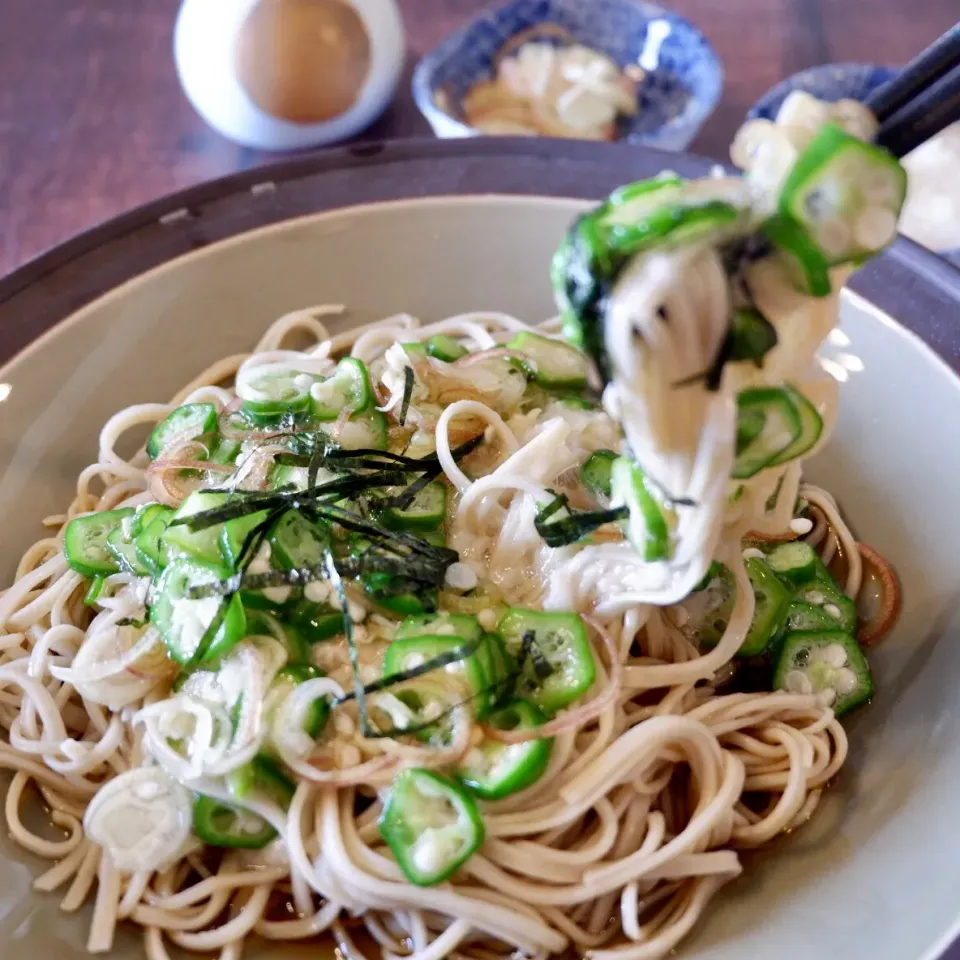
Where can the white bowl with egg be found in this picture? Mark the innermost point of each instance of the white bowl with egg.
(285, 74)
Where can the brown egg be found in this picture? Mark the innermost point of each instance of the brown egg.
(303, 60)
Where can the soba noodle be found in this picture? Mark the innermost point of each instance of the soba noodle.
(658, 777)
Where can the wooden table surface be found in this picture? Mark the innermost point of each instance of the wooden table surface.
(92, 120)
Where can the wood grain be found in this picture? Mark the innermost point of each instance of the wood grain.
(92, 120)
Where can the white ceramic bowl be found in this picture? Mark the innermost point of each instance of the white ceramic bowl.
(874, 876)
(206, 43)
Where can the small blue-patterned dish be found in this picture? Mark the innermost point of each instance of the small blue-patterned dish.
(681, 87)
(830, 82)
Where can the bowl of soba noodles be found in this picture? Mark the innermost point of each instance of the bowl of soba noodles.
(484, 549)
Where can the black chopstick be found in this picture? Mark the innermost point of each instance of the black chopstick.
(923, 71)
(932, 109)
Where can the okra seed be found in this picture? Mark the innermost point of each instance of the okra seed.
(875, 228)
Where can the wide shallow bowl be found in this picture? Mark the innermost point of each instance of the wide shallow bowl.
(874, 876)
(684, 76)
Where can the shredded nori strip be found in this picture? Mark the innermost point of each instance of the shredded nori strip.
(133, 622)
(390, 538)
(408, 382)
(570, 529)
(337, 489)
(415, 563)
(459, 452)
(413, 575)
(372, 459)
(428, 666)
(501, 689)
(403, 500)
(562, 533)
(739, 253)
(254, 539)
(772, 499)
(399, 586)
(340, 464)
(509, 683)
(412, 571)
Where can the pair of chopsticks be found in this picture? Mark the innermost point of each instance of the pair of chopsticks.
(922, 99)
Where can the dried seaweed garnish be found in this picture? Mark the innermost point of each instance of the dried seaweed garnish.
(337, 489)
(368, 462)
(246, 502)
(254, 539)
(404, 499)
(428, 666)
(569, 530)
(408, 382)
(415, 573)
(396, 539)
(577, 524)
(340, 458)
(414, 563)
